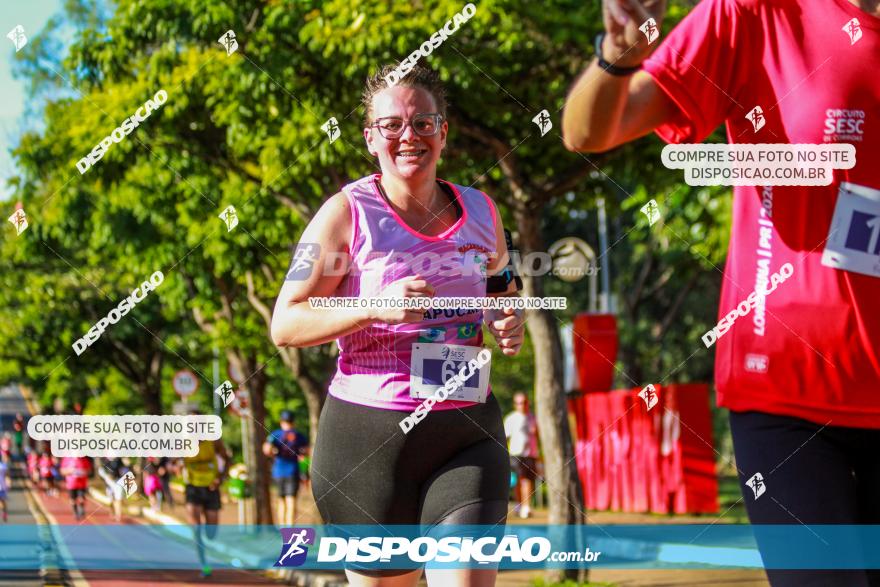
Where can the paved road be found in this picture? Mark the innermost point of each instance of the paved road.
(98, 538)
(14, 544)
(42, 532)
(19, 538)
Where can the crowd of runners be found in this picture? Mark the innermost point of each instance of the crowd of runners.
(286, 447)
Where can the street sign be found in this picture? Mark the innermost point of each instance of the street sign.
(185, 383)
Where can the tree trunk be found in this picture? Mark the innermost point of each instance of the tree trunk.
(150, 391)
(314, 392)
(152, 386)
(565, 497)
(260, 473)
(315, 395)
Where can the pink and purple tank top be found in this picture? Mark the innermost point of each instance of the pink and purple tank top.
(373, 368)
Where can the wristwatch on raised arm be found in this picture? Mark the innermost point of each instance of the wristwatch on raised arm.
(610, 67)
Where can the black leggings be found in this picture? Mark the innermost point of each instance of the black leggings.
(451, 468)
(827, 475)
(367, 471)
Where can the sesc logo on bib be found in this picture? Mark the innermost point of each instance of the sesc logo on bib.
(854, 235)
(434, 365)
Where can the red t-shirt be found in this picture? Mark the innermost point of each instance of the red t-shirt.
(813, 350)
(76, 472)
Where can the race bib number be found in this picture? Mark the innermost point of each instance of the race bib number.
(434, 366)
(854, 236)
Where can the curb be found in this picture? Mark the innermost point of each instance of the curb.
(300, 578)
(52, 573)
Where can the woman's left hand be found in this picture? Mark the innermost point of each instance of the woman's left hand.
(507, 326)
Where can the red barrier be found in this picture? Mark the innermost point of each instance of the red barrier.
(634, 460)
(595, 349)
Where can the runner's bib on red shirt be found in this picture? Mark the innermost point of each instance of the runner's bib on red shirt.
(812, 348)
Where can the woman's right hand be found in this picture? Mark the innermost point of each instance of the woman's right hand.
(625, 45)
(407, 287)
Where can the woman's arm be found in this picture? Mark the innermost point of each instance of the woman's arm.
(508, 325)
(294, 322)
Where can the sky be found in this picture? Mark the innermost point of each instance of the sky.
(32, 15)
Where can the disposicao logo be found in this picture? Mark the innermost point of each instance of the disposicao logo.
(294, 550)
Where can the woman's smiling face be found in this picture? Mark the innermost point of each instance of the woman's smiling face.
(411, 155)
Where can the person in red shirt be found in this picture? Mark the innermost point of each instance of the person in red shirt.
(6, 447)
(800, 371)
(47, 468)
(33, 467)
(76, 471)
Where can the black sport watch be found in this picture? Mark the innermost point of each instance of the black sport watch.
(610, 67)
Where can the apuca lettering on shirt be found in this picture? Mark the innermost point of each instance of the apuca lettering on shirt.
(436, 313)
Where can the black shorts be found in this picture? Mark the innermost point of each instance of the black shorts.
(209, 499)
(451, 468)
(365, 470)
(524, 467)
(287, 486)
(75, 493)
(812, 474)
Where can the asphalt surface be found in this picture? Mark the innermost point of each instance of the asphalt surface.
(43, 544)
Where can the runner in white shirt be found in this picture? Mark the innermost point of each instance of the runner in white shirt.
(521, 430)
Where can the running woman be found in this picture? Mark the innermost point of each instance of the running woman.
(6, 448)
(110, 472)
(47, 468)
(452, 466)
(203, 476)
(151, 477)
(4, 489)
(800, 374)
(33, 466)
(18, 427)
(76, 471)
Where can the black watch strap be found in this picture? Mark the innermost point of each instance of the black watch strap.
(610, 67)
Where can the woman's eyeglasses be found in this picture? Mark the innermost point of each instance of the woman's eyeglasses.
(425, 125)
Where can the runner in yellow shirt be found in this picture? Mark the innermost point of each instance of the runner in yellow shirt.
(203, 475)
